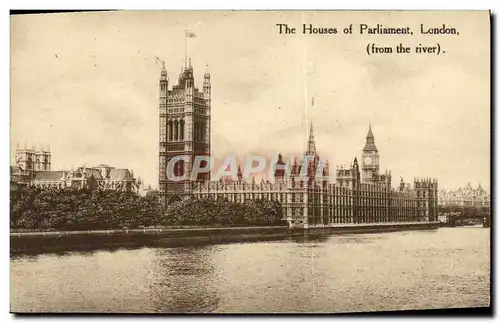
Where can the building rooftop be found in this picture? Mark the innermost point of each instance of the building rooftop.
(49, 175)
(117, 174)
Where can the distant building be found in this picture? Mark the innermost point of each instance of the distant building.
(102, 177)
(18, 177)
(353, 198)
(31, 160)
(33, 169)
(465, 196)
(360, 194)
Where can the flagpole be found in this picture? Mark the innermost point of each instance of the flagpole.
(185, 49)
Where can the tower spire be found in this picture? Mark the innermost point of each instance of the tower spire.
(311, 145)
(239, 174)
(207, 74)
(370, 140)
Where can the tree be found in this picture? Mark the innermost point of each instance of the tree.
(85, 209)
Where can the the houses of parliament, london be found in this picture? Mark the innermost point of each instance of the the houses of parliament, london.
(360, 194)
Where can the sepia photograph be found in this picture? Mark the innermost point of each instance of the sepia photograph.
(250, 162)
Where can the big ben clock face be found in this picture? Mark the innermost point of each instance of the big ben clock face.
(368, 161)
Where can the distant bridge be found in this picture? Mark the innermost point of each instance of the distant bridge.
(459, 219)
(457, 215)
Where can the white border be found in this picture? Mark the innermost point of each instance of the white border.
(494, 5)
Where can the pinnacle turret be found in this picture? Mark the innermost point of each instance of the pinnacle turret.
(239, 174)
(370, 141)
(311, 145)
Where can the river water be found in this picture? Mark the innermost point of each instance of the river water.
(449, 267)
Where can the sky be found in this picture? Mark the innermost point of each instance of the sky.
(87, 85)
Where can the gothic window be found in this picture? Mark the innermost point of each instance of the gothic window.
(176, 130)
(29, 165)
(181, 124)
(179, 168)
(170, 130)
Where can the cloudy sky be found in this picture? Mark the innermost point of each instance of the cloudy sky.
(87, 84)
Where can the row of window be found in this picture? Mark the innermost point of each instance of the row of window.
(175, 110)
(299, 198)
(175, 130)
(199, 130)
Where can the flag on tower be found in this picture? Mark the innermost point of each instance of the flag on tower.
(312, 102)
(190, 34)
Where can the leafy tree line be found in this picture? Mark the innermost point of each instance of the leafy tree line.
(209, 212)
(73, 209)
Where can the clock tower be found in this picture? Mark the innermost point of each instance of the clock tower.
(369, 159)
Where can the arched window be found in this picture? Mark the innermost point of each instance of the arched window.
(181, 135)
(170, 130)
(29, 164)
(176, 130)
(179, 168)
(202, 176)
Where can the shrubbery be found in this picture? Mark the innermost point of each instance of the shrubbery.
(209, 212)
(71, 209)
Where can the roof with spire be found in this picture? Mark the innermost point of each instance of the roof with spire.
(207, 73)
(311, 144)
(239, 174)
(465, 192)
(370, 141)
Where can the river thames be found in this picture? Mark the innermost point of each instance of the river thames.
(448, 267)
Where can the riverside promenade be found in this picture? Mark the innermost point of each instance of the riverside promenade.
(48, 241)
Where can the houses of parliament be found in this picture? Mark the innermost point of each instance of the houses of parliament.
(360, 193)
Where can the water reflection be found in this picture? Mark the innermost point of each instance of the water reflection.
(181, 280)
(342, 273)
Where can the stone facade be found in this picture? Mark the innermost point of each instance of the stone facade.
(102, 177)
(351, 199)
(359, 194)
(465, 196)
(33, 169)
(30, 160)
(184, 114)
